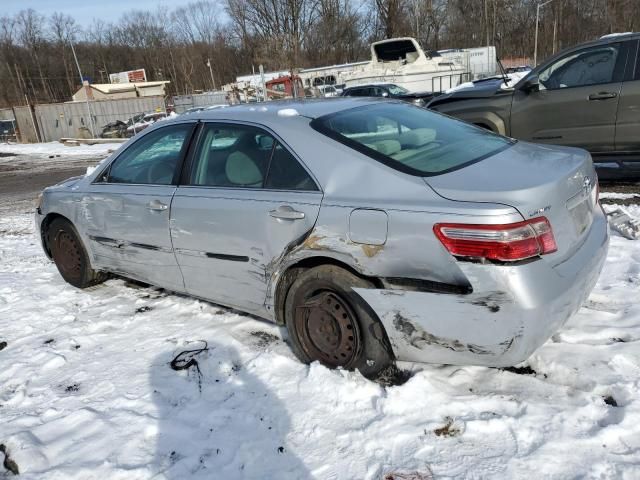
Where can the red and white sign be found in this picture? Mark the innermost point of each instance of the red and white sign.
(132, 76)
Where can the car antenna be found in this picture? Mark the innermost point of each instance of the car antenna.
(503, 72)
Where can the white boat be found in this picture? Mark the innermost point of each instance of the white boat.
(403, 62)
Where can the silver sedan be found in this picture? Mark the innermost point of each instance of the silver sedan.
(373, 230)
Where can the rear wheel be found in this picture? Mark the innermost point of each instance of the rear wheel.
(70, 256)
(328, 322)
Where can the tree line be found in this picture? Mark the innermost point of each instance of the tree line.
(37, 65)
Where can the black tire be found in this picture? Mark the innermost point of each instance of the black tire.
(327, 321)
(70, 256)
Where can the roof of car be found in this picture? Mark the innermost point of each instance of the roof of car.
(604, 40)
(609, 38)
(310, 108)
(619, 35)
(378, 84)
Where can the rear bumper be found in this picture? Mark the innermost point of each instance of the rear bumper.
(512, 311)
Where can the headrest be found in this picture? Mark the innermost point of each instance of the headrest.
(387, 147)
(417, 138)
(266, 142)
(241, 170)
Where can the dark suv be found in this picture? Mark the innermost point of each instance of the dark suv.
(587, 96)
(388, 90)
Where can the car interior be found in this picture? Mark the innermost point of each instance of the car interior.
(245, 157)
(232, 158)
(398, 133)
(584, 68)
(152, 160)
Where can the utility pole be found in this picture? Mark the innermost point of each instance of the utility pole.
(211, 72)
(555, 33)
(73, 50)
(535, 48)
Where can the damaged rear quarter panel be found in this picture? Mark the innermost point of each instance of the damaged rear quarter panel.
(410, 251)
(476, 328)
(404, 254)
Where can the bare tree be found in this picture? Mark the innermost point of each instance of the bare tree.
(337, 36)
(235, 35)
(392, 17)
(280, 25)
(62, 28)
(30, 30)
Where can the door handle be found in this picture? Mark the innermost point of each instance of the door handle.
(157, 205)
(602, 95)
(285, 212)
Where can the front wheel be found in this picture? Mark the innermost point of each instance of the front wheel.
(70, 256)
(328, 322)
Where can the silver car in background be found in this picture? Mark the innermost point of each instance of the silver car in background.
(373, 230)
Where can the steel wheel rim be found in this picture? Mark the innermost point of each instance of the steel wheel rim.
(328, 330)
(69, 258)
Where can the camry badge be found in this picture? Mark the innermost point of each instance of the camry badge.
(540, 211)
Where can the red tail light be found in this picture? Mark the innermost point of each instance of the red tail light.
(507, 243)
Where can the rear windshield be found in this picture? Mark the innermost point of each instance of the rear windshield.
(411, 139)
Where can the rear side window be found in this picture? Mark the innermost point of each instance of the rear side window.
(232, 156)
(153, 158)
(357, 92)
(634, 54)
(286, 173)
(411, 139)
(243, 156)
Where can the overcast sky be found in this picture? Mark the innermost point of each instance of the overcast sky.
(86, 10)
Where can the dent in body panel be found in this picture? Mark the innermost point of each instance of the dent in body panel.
(419, 338)
(371, 250)
(493, 301)
(414, 253)
(453, 328)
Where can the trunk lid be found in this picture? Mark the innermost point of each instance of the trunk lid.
(558, 183)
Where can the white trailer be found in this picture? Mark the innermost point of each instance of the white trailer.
(480, 61)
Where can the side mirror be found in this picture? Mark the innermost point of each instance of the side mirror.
(385, 94)
(531, 84)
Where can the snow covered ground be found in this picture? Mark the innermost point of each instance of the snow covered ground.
(37, 157)
(87, 392)
(59, 149)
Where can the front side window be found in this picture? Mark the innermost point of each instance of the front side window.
(591, 66)
(243, 156)
(411, 139)
(153, 158)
